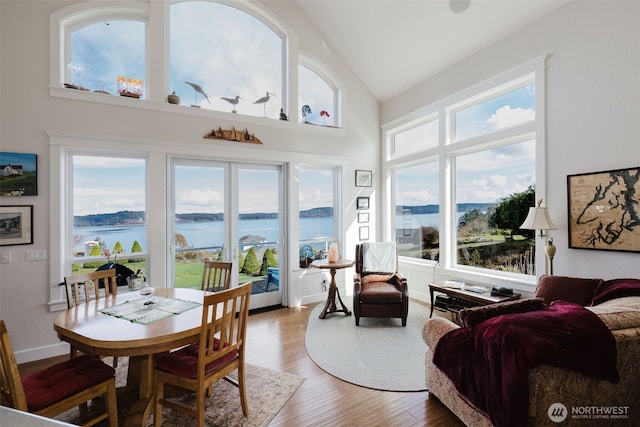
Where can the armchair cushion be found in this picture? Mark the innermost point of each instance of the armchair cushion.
(470, 317)
(570, 289)
(44, 388)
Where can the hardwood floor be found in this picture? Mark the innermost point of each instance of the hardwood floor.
(276, 341)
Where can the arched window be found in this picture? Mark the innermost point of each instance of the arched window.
(317, 99)
(227, 53)
(108, 57)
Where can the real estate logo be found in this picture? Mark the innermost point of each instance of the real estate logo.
(557, 412)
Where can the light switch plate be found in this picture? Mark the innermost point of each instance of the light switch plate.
(36, 255)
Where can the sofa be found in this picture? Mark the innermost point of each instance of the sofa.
(554, 395)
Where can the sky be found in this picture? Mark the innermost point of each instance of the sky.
(223, 50)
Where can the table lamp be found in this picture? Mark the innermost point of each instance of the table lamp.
(538, 219)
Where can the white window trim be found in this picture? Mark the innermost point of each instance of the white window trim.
(444, 152)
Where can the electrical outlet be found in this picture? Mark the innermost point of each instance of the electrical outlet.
(5, 257)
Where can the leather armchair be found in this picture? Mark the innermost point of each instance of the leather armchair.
(379, 293)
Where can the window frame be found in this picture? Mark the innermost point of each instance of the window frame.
(446, 152)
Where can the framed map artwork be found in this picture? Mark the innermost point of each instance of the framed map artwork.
(604, 210)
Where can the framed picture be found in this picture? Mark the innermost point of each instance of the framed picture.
(362, 203)
(19, 175)
(363, 217)
(603, 211)
(363, 178)
(364, 233)
(16, 225)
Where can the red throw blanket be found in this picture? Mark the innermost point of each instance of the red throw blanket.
(489, 363)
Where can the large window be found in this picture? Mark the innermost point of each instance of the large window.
(108, 198)
(317, 206)
(461, 190)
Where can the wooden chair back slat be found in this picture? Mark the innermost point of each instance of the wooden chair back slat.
(85, 287)
(216, 276)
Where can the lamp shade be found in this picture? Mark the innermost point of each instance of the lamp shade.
(538, 219)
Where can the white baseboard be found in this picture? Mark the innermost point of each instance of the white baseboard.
(44, 352)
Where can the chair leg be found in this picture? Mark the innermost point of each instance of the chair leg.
(243, 392)
(112, 404)
(200, 407)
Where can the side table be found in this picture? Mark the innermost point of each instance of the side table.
(465, 298)
(330, 306)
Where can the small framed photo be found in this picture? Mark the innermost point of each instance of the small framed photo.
(362, 203)
(363, 217)
(363, 178)
(364, 233)
(19, 175)
(16, 225)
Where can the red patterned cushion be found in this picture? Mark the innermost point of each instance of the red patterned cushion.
(56, 383)
(184, 362)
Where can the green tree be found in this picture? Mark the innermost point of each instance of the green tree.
(240, 260)
(117, 248)
(511, 212)
(268, 260)
(96, 251)
(219, 257)
(136, 247)
(251, 264)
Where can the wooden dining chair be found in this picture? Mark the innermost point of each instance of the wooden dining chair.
(219, 351)
(216, 276)
(86, 287)
(58, 388)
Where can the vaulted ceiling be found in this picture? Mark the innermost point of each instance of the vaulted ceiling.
(393, 44)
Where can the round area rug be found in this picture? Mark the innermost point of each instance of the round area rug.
(379, 354)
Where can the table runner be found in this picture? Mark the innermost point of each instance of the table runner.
(149, 309)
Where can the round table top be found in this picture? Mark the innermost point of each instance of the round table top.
(324, 263)
(105, 335)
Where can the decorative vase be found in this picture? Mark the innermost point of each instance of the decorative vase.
(333, 255)
(173, 98)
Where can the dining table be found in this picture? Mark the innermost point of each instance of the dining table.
(123, 325)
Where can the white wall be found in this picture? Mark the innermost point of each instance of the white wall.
(28, 112)
(593, 110)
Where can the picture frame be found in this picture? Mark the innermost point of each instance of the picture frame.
(364, 178)
(16, 225)
(363, 217)
(18, 174)
(362, 203)
(600, 215)
(363, 233)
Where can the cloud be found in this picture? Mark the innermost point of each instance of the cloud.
(506, 116)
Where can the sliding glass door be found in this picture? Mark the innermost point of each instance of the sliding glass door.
(228, 212)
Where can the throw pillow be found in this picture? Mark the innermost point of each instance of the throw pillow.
(470, 317)
(570, 289)
(617, 288)
(370, 278)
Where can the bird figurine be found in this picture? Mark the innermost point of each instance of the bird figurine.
(283, 116)
(198, 89)
(233, 101)
(306, 113)
(264, 101)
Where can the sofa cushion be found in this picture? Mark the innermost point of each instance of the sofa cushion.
(617, 288)
(570, 289)
(619, 313)
(470, 317)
